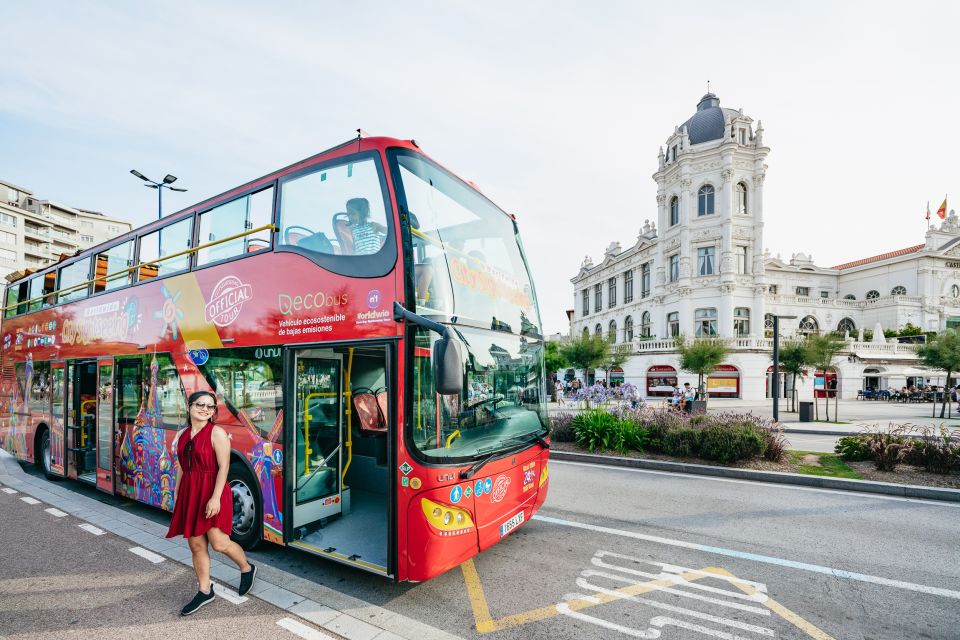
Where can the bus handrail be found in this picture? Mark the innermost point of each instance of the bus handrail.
(109, 276)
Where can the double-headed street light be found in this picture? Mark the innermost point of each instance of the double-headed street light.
(159, 186)
(776, 364)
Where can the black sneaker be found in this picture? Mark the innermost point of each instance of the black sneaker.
(198, 601)
(246, 580)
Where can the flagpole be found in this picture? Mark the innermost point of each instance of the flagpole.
(928, 215)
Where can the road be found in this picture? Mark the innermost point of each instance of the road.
(619, 553)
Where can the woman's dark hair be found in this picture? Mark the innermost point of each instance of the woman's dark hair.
(196, 395)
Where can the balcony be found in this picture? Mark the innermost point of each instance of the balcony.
(41, 233)
(838, 303)
(867, 349)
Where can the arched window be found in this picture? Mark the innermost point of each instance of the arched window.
(598, 331)
(705, 322)
(898, 291)
(741, 322)
(628, 329)
(873, 294)
(674, 210)
(741, 198)
(955, 291)
(846, 325)
(586, 332)
(809, 326)
(612, 331)
(645, 324)
(849, 296)
(705, 201)
(768, 325)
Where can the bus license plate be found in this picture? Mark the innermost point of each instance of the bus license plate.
(511, 524)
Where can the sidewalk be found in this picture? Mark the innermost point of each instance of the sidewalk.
(315, 605)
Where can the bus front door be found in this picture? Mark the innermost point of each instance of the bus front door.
(81, 418)
(104, 422)
(317, 482)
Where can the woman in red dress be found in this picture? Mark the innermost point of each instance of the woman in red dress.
(203, 511)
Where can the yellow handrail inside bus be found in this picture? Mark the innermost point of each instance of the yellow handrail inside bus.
(306, 431)
(113, 275)
(83, 412)
(349, 399)
(450, 438)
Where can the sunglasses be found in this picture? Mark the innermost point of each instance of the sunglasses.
(200, 405)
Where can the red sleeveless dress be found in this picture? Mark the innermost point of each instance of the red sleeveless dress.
(198, 479)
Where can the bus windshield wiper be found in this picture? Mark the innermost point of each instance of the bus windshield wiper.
(479, 464)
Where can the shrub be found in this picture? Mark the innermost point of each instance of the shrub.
(561, 427)
(682, 441)
(935, 452)
(853, 448)
(776, 444)
(595, 429)
(630, 435)
(888, 448)
(731, 443)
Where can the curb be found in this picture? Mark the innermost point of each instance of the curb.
(776, 477)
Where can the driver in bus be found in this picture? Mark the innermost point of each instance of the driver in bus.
(367, 236)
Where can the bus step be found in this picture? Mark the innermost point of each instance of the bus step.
(330, 549)
(354, 557)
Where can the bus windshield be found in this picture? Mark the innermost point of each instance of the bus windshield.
(501, 405)
(468, 261)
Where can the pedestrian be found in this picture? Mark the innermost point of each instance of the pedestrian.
(203, 504)
(955, 396)
(689, 395)
(676, 397)
(559, 389)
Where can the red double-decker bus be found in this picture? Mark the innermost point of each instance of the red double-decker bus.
(370, 325)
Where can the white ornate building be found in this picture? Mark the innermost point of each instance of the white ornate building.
(701, 270)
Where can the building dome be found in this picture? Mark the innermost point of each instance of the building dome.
(707, 123)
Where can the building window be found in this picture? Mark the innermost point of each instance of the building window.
(772, 289)
(585, 295)
(743, 136)
(824, 294)
(598, 330)
(846, 326)
(612, 292)
(705, 201)
(612, 331)
(768, 325)
(597, 298)
(586, 332)
(741, 260)
(741, 322)
(673, 324)
(705, 323)
(628, 329)
(741, 198)
(674, 267)
(86, 223)
(7, 219)
(955, 291)
(112, 228)
(849, 296)
(705, 257)
(673, 152)
(8, 238)
(86, 238)
(645, 280)
(803, 291)
(898, 291)
(645, 324)
(628, 286)
(873, 294)
(674, 210)
(809, 326)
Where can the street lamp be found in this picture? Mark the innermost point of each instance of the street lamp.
(776, 364)
(159, 186)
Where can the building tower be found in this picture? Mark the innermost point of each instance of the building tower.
(709, 260)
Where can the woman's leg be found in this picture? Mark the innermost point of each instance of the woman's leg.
(201, 561)
(222, 543)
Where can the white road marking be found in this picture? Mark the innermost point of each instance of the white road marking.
(9, 490)
(30, 500)
(55, 512)
(149, 555)
(732, 553)
(662, 621)
(565, 609)
(770, 485)
(302, 630)
(97, 531)
(229, 594)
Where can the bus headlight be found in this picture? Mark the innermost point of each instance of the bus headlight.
(449, 521)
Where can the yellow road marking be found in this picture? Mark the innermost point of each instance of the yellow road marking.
(485, 622)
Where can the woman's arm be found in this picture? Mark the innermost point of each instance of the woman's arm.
(221, 447)
(176, 462)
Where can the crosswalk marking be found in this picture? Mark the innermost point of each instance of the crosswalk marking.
(302, 630)
(30, 500)
(55, 512)
(97, 531)
(9, 490)
(228, 594)
(149, 555)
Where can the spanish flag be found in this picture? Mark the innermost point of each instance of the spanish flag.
(942, 211)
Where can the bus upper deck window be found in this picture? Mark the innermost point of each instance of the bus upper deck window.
(232, 219)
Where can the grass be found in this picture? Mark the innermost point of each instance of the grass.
(830, 465)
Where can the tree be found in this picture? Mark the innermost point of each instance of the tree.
(553, 362)
(701, 357)
(585, 352)
(793, 362)
(614, 358)
(820, 353)
(942, 352)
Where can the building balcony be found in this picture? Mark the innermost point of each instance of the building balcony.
(839, 303)
(41, 233)
(862, 349)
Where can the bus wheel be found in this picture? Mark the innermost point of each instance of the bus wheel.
(247, 512)
(42, 453)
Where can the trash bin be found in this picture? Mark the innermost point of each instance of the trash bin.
(806, 412)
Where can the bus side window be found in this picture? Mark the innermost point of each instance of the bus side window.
(49, 286)
(70, 278)
(233, 218)
(10, 301)
(168, 241)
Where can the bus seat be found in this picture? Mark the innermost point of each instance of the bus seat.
(341, 227)
(370, 418)
(382, 403)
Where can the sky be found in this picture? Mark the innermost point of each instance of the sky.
(556, 110)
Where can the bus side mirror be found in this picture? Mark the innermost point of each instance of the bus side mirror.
(447, 366)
